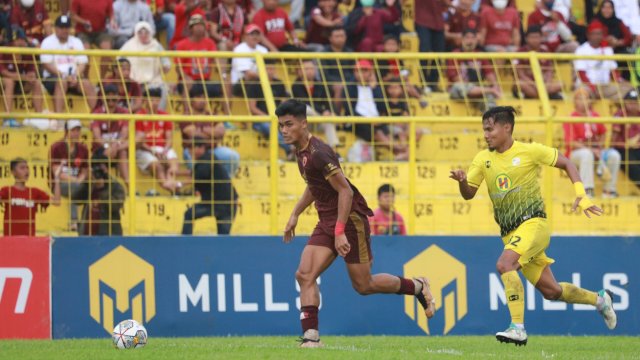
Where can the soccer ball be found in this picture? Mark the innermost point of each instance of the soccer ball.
(129, 334)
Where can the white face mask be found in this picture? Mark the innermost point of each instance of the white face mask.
(27, 3)
(499, 4)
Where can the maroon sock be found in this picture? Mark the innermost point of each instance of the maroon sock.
(407, 287)
(309, 318)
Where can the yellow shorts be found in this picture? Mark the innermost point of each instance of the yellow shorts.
(530, 240)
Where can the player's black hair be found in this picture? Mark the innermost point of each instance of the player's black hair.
(13, 163)
(534, 29)
(501, 114)
(385, 188)
(293, 107)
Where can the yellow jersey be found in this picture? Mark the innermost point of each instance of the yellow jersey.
(512, 181)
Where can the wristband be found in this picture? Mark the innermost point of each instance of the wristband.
(585, 203)
(339, 228)
(579, 189)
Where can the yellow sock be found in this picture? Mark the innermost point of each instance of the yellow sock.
(515, 296)
(574, 295)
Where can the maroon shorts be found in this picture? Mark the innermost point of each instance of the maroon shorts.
(357, 232)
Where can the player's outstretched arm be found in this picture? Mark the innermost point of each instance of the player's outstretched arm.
(582, 199)
(467, 191)
(345, 196)
(304, 202)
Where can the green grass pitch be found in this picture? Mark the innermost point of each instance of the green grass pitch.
(336, 347)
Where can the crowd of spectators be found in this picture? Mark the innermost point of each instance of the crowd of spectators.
(367, 88)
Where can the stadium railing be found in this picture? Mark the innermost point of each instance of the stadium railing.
(441, 136)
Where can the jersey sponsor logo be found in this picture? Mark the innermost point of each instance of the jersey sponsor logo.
(330, 167)
(23, 202)
(515, 161)
(304, 160)
(503, 182)
(123, 276)
(487, 164)
(448, 278)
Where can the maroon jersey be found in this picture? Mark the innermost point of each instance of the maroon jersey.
(20, 206)
(317, 162)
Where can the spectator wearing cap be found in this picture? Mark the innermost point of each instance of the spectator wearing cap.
(217, 193)
(460, 17)
(148, 71)
(197, 70)
(371, 25)
(64, 73)
(244, 71)
(596, 75)
(200, 105)
(72, 156)
(429, 23)
(366, 100)
(227, 20)
(19, 73)
(500, 27)
(472, 80)
(32, 16)
(183, 11)
(127, 14)
(129, 91)
(526, 85)
(584, 144)
(279, 33)
(110, 136)
(154, 144)
(626, 137)
(556, 33)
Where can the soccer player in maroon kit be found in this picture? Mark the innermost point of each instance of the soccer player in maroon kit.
(21, 202)
(342, 229)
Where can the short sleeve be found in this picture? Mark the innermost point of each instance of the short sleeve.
(42, 197)
(4, 193)
(476, 174)
(544, 155)
(326, 162)
(46, 45)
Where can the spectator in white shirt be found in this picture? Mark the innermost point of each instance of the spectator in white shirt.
(596, 75)
(64, 73)
(245, 69)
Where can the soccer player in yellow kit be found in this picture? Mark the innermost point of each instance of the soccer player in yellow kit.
(510, 170)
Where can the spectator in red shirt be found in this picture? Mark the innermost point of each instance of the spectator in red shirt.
(463, 17)
(32, 16)
(19, 71)
(183, 11)
(526, 83)
(585, 144)
(274, 23)
(21, 202)
(371, 25)
(500, 27)
(324, 17)
(91, 18)
(110, 136)
(429, 22)
(385, 220)
(154, 140)
(555, 30)
(626, 138)
(69, 157)
(129, 91)
(191, 70)
(467, 77)
(227, 19)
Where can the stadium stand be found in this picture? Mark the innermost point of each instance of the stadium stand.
(446, 134)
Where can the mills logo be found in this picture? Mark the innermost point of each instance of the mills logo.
(127, 278)
(448, 278)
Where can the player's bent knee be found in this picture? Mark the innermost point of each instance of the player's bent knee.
(505, 266)
(304, 278)
(552, 293)
(362, 288)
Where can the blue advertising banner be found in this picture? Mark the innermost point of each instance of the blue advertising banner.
(197, 286)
